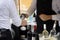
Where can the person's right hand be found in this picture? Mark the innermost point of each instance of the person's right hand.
(25, 15)
(24, 23)
(45, 17)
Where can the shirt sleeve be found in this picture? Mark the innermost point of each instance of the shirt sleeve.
(56, 8)
(54, 5)
(14, 13)
(32, 7)
(56, 17)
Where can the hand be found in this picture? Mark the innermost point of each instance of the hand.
(24, 23)
(25, 15)
(45, 17)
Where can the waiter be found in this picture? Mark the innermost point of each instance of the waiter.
(7, 11)
(45, 11)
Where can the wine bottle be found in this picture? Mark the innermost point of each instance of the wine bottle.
(45, 32)
(53, 31)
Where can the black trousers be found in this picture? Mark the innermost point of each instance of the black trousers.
(16, 30)
(5, 34)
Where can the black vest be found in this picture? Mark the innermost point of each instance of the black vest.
(44, 6)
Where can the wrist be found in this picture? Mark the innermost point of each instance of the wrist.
(50, 17)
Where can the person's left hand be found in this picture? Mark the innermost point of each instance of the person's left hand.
(45, 17)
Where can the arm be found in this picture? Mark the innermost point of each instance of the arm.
(56, 17)
(14, 14)
(56, 8)
(54, 5)
(32, 7)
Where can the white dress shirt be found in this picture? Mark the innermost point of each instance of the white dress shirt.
(55, 7)
(8, 10)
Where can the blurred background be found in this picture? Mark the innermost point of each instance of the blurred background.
(22, 5)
